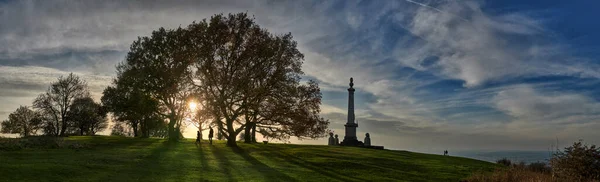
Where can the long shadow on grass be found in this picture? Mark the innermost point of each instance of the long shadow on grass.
(149, 167)
(305, 164)
(269, 173)
(223, 162)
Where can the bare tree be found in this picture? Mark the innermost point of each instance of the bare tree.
(56, 102)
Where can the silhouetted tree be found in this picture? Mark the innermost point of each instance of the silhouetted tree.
(56, 102)
(159, 66)
(243, 73)
(87, 116)
(23, 121)
(119, 130)
(129, 104)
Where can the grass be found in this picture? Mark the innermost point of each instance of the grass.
(131, 159)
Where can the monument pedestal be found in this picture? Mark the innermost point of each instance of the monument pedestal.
(350, 139)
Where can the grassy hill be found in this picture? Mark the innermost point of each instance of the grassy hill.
(130, 159)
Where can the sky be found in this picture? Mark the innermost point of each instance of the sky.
(430, 75)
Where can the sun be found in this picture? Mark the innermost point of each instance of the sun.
(193, 105)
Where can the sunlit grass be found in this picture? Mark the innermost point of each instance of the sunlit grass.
(129, 159)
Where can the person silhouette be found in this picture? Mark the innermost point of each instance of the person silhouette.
(197, 137)
(210, 135)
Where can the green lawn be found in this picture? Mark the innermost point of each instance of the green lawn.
(128, 159)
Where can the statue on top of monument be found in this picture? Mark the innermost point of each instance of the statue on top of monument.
(351, 82)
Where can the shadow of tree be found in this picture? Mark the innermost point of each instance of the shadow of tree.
(223, 162)
(305, 164)
(269, 173)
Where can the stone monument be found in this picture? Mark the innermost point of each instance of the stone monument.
(350, 138)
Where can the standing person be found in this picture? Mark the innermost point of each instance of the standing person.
(197, 137)
(210, 135)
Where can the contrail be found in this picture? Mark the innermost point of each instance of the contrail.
(435, 9)
(424, 5)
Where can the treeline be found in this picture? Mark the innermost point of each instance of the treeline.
(242, 79)
(66, 108)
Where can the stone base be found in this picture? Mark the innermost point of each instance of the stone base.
(350, 142)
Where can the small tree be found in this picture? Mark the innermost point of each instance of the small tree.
(87, 116)
(23, 121)
(577, 162)
(119, 130)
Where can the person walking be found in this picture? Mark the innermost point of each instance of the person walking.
(210, 135)
(197, 137)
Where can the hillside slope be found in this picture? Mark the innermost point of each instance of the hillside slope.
(129, 159)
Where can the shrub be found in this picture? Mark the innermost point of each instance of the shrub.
(540, 167)
(504, 161)
(41, 142)
(579, 162)
(510, 175)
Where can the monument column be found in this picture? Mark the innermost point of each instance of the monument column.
(350, 138)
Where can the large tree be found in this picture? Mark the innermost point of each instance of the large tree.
(129, 104)
(23, 121)
(240, 68)
(87, 116)
(159, 66)
(56, 102)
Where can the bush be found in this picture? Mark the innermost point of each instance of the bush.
(504, 161)
(41, 142)
(510, 175)
(579, 162)
(540, 167)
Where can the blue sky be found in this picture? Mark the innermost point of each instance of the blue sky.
(430, 75)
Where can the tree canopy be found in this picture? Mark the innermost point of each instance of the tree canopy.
(87, 116)
(241, 76)
(248, 76)
(23, 121)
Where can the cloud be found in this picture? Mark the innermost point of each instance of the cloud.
(526, 103)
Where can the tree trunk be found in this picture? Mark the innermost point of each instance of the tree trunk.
(254, 132)
(63, 127)
(135, 129)
(173, 136)
(231, 141)
(231, 135)
(247, 136)
(144, 128)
